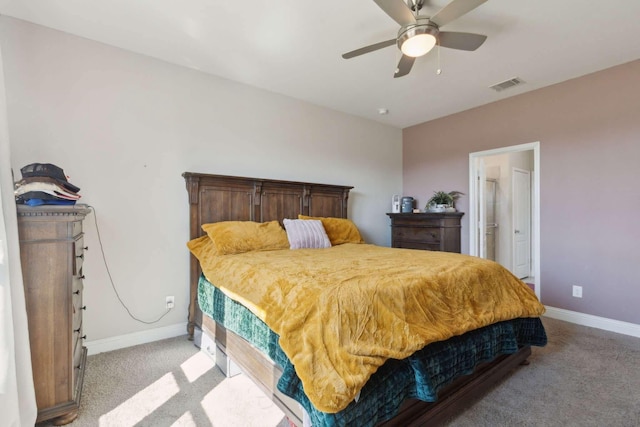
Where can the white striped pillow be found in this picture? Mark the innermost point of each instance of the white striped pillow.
(306, 234)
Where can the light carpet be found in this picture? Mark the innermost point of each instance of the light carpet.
(583, 377)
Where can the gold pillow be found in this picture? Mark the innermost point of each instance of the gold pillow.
(339, 230)
(202, 248)
(236, 237)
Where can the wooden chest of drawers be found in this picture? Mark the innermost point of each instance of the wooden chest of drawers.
(52, 253)
(427, 231)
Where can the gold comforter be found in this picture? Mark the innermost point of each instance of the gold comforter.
(341, 312)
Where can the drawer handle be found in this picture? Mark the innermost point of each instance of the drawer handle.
(81, 256)
(84, 337)
(77, 330)
(84, 307)
(82, 277)
(78, 367)
(86, 248)
(77, 292)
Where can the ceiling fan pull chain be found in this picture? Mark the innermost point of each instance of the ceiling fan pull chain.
(439, 70)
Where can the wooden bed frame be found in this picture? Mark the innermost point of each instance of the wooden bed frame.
(214, 198)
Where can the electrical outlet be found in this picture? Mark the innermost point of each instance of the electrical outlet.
(577, 291)
(169, 302)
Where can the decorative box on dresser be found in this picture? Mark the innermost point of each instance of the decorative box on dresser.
(52, 253)
(426, 230)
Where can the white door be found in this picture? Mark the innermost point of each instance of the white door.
(521, 197)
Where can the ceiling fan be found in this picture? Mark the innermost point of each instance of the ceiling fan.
(418, 34)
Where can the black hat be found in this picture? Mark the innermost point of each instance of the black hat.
(48, 170)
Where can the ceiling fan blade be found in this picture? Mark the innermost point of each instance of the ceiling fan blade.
(397, 10)
(404, 66)
(461, 41)
(454, 10)
(369, 48)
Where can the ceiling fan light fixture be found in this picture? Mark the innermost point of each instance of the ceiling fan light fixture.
(418, 45)
(417, 40)
(418, 34)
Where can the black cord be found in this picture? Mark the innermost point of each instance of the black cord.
(104, 259)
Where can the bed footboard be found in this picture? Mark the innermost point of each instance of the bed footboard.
(459, 395)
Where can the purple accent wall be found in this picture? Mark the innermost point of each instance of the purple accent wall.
(589, 133)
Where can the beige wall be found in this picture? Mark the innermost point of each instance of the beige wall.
(125, 126)
(589, 133)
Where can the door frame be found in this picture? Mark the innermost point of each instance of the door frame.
(475, 165)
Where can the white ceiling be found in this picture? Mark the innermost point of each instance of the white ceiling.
(294, 47)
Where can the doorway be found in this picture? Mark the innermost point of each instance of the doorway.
(504, 209)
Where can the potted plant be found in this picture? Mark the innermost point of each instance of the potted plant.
(441, 201)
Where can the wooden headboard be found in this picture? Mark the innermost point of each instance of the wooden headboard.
(214, 198)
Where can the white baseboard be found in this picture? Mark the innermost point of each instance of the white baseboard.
(128, 340)
(142, 337)
(583, 319)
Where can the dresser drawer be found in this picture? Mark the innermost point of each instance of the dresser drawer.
(415, 220)
(418, 245)
(76, 228)
(78, 251)
(76, 303)
(77, 287)
(77, 335)
(417, 234)
(77, 359)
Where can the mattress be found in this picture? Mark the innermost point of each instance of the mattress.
(420, 376)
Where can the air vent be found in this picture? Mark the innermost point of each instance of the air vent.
(499, 87)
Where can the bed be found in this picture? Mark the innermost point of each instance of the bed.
(216, 199)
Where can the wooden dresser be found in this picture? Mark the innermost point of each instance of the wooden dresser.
(52, 252)
(428, 231)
